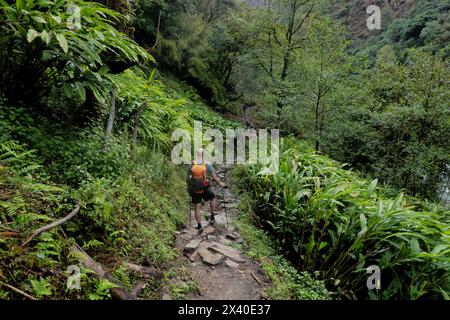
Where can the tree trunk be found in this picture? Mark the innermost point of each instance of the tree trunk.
(112, 115)
(137, 118)
(118, 292)
(319, 96)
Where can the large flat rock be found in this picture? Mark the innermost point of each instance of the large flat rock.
(232, 264)
(231, 253)
(211, 258)
(192, 245)
(208, 230)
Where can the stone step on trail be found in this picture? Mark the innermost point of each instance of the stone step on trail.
(231, 236)
(208, 231)
(191, 246)
(229, 252)
(210, 257)
(232, 264)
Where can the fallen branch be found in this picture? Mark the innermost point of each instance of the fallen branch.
(118, 292)
(145, 270)
(17, 290)
(9, 234)
(254, 277)
(53, 225)
(8, 229)
(190, 256)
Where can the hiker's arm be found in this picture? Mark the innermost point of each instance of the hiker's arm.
(217, 179)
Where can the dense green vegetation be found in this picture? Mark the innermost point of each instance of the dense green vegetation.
(91, 91)
(424, 25)
(131, 217)
(329, 220)
(379, 104)
(287, 282)
(58, 90)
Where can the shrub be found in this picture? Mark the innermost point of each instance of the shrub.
(327, 219)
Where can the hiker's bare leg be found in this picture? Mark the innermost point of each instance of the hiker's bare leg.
(198, 217)
(213, 205)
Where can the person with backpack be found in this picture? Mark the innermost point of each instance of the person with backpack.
(199, 186)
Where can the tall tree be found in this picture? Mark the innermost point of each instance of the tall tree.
(281, 33)
(325, 65)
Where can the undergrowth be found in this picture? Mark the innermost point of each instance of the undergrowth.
(286, 282)
(132, 218)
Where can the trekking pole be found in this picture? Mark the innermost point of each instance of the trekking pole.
(190, 215)
(225, 205)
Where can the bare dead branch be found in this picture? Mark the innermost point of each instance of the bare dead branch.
(256, 279)
(53, 225)
(17, 290)
(157, 33)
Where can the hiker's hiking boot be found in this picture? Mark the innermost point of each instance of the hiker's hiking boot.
(212, 221)
(199, 227)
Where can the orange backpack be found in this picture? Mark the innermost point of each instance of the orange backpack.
(198, 180)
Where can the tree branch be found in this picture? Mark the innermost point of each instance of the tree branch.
(53, 225)
(17, 290)
(157, 33)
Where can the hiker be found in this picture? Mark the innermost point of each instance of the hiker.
(200, 188)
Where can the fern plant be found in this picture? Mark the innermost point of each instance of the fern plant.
(70, 44)
(17, 159)
(47, 250)
(102, 290)
(41, 287)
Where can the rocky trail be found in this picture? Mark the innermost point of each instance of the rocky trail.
(214, 257)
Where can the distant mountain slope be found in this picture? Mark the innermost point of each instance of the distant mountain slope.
(353, 13)
(404, 23)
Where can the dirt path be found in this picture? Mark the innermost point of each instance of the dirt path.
(214, 257)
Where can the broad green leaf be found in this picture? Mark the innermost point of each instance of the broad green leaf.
(323, 245)
(62, 42)
(380, 208)
(398, 201)
(45, 36)
(317, 182)
(39, 19)
(31, 35)
(57, 19)
(439, 248)
(311, 244)
(363, 224)
(302, 193)
(100, 35)
(372, 186)
(67, 89)
(20, 5)
(47, 55)
(81, 91)
(363, 221)
(445, 294)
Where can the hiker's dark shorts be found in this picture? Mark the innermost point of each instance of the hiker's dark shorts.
(207, 195)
